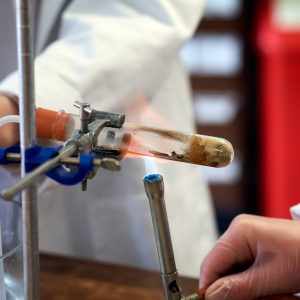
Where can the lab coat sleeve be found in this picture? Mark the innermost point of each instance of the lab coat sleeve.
(109, 53)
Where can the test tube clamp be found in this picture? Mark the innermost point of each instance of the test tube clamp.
(80, 154)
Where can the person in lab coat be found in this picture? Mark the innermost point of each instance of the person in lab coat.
(120, 56)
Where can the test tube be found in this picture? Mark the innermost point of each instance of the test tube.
(143, 140)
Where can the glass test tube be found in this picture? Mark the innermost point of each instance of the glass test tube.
(148, 141)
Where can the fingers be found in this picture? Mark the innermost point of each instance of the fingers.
(270, 247)
(253, 283)
(234, 287)
(235, 247)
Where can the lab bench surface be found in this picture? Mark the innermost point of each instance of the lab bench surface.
(64, 278)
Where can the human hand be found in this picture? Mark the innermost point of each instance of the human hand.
(255, 257)
(9, 133)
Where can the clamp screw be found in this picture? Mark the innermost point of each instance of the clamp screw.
(84, 117)
(84, 185)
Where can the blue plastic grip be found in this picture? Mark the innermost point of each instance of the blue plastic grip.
(36, 155)
(65, 177)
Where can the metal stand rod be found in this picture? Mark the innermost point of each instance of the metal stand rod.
(16, 157)
(24, 16)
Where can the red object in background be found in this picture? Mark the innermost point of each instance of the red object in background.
(279, 105)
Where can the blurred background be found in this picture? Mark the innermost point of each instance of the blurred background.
(244, 65)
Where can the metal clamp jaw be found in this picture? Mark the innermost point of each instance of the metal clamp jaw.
(92, 123)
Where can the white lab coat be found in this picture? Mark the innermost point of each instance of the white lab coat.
(123, 56)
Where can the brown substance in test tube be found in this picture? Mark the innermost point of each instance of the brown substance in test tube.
(195, 153)
(207, 152)
(169, 134)
(125, 144)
